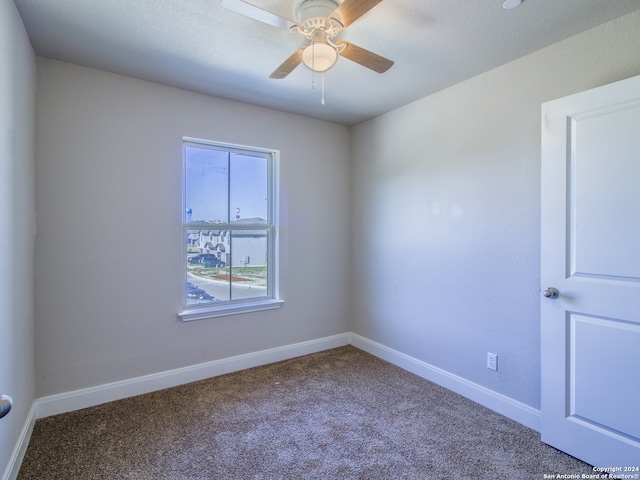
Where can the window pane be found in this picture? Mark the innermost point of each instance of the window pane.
(249, 263)
(206, 185)
(207, 266)
(248, 180)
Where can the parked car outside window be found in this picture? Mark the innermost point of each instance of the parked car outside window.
(194, 292)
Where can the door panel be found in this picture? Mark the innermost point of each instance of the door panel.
(590, 244)
(604, 179)
(594, 367)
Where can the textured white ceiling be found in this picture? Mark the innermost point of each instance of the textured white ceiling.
(200, 46)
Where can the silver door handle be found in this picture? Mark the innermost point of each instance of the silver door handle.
(5, 405)
(551, 292)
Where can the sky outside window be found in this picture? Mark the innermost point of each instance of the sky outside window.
(224, 186)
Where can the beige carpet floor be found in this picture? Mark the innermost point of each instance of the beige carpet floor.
(338, 414)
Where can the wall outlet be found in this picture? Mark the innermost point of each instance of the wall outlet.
(492, 361)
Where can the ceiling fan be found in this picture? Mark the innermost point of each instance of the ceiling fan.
(319, 21)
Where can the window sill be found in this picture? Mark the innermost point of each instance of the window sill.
(224, 310)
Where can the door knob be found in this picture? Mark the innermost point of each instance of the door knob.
(5, 405)
(551, 292)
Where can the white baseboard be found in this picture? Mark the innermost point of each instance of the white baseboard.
(15, 461)
(507, 406)
(89, 397)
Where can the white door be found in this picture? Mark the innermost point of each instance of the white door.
(590, 238)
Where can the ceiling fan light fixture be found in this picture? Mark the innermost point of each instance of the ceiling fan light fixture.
(319, 56)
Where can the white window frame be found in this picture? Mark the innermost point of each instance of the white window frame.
(232, 307)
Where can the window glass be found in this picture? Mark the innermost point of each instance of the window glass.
(249, 263)
(206, 185)
(248, 189)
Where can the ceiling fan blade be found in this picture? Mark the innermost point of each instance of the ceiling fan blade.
(365, 57)
(260, 14)
(351, 10)
(288, 65)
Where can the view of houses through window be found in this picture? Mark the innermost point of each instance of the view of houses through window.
(228, 224)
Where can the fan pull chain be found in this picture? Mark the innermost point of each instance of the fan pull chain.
(313, 85)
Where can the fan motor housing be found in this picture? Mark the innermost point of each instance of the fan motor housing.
(311, 9)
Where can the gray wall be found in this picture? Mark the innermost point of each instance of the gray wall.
(17, 225)
(108, 172)
(446, 212)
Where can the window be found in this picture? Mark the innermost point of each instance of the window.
(229, 229)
